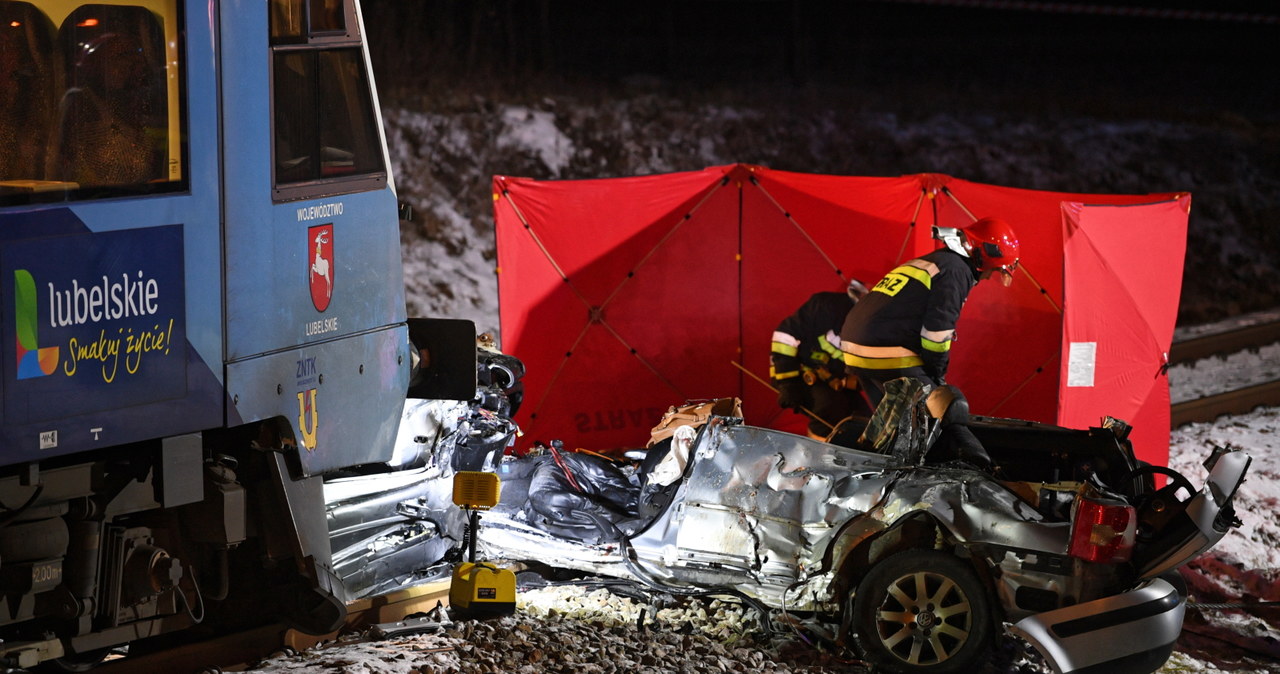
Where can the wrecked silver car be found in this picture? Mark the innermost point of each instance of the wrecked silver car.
(918, 537)
(394, 525)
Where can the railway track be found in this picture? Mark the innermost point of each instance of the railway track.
(1236, 401)
(238, 651)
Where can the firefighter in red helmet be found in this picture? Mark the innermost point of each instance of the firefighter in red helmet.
(807, 365)
(905, 325)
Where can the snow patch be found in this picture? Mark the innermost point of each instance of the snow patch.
(535, 131)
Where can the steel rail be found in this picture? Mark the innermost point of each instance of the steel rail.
(1238, 401)
(1230, 341)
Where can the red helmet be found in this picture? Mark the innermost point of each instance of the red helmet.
(993, 245)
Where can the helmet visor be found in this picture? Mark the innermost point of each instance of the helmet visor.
(1006, 273)
(1003, 272)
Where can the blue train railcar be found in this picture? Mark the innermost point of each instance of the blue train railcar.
(202, 312)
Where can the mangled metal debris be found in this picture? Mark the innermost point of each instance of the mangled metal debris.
(1000, 520)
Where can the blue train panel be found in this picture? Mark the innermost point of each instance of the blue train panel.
(201, 312)
(312, 232)
(335, 393)
(312, 245)
(95, 338)
(110, 272)
(199, 213)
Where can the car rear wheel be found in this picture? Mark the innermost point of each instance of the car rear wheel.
(922, 611)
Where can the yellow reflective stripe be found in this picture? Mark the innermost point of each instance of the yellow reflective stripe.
(879, 357)
(918, 269)
(921, 263)
(938, 341)
(921, 275)
(827, 346)
(937, 347)
(784, 349)
(876, 351)
(882, 363)
(783, 375)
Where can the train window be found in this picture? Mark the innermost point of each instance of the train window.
(327, 16)
(325, 127)
(92, 108)
(286, 21)
(27, 103)
(294, 21)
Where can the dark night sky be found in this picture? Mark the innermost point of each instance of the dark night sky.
(939, 47)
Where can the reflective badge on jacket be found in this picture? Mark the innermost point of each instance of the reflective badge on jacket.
(891, 284)
(918, 269)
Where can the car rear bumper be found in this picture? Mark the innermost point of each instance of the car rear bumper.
(1133, 632)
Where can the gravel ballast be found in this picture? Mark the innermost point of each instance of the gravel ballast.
(579, 630)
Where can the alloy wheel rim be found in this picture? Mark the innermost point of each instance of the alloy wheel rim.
(924, 619)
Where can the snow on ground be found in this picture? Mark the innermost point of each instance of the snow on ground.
(1204, 377)
(1255, 546)
(445, 157)
(1245, 565)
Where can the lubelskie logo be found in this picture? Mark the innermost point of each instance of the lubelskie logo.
(33, 361)
(320, 239)
(113, 326)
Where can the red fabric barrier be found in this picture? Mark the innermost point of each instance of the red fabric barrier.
(624, 296)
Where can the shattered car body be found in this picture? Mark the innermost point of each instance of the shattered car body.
(916, 557)
(393, 526)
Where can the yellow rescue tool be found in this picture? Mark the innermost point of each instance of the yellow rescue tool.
(479, 590)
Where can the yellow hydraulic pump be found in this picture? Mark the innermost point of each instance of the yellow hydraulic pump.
(479, 590)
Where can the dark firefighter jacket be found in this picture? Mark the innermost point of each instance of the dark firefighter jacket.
(909, 317)
(810, 338)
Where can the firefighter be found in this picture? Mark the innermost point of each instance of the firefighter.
(806, 364)
(905, 325)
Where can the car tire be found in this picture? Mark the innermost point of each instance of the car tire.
(922, 611)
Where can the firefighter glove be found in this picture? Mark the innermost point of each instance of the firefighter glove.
(793, 394)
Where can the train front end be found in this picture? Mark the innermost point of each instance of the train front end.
(202, 313)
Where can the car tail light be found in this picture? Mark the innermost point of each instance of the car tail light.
(1103, 531)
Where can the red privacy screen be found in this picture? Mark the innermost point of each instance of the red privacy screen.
(624, 296)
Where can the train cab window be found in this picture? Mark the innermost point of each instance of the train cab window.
(27, 103)
(93, 108)
(327, 16)
(288, 19)
(297, 20)
(326, 128)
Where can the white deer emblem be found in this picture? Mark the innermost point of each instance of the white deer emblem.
(321, 265)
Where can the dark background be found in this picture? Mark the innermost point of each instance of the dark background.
(1195, 55)
(1049, 95)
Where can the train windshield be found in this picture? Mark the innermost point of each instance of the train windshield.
(90, 104)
